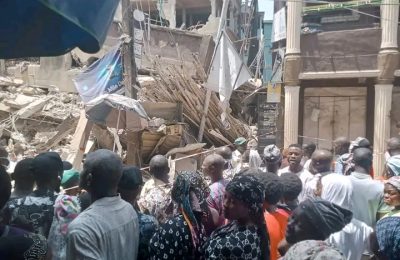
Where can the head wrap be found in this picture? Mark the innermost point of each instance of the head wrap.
(394, 164)
(326, 217)
(69, 176)
(66, 209)
(388, 235)
(395, 181)
(248, 189)
(272, 153)
(240, 141)
(254, 160)
(313, 250)
(359, 142)
(185, 182)
(338, 189)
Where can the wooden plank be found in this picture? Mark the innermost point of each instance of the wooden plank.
(134, 145)
(165, 110)
(79, 141)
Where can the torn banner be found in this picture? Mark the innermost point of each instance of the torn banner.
(228, 72)
(105, 76)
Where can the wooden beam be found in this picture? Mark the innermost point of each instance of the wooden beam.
(79, 141)
(133, 143)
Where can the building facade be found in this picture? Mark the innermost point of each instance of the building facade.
(341, 73)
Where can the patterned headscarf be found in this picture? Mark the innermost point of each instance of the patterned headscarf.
(248, 189)
(388, 235)
(394, 164)
(185, 182)
(313, 250)
(272, 153)
(395, 182)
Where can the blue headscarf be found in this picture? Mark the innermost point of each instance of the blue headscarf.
(394, 164)
(388, 235)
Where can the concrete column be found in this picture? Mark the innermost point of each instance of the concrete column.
(389, 25)
(383, 104)
(291, 124)
(293, 27)
(184, 16)
(213, 8)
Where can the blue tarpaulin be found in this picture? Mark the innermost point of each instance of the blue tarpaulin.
(37, 28)
(105, 76)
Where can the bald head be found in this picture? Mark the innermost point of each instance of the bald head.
(321, 161)
(225, 152)
(159, 167)
(393, 146)
(101, 173)
(362, 158)
(213, 166)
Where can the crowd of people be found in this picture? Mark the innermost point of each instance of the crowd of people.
(297, 204)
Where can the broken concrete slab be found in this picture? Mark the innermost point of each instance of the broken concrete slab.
(8, 81)
(20, 102)
(62, 131)
(32, 108)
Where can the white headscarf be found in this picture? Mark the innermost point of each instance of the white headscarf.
(337, 189)
(254, 159)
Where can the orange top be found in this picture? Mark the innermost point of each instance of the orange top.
(275, 233)
(282, 216)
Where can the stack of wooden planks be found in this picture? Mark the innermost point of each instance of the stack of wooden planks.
(172, 85)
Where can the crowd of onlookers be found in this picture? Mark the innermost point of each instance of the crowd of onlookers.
(299, 203)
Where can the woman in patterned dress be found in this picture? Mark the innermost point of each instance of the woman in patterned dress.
(181, 237)
(245, 237)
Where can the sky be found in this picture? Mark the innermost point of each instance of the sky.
(266, 6)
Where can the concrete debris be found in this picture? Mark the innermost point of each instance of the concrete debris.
(33, 120)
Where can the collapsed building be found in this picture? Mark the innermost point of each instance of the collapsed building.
(176, 53)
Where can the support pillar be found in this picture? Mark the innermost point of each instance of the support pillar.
(389, 25)
(291, 124)
(383, 104)
(293, 28)
(388, 60)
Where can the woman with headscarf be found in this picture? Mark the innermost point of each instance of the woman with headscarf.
(313, 250)
(245, 237)
(386, 239)
(391, 196)
(393, 167)
(314, 219)
(352, 240)
(181, 237)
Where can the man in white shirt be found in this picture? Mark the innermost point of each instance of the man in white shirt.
(295, 154)
(109, 227)
(241, 146)
(367, 198)
(320, 166)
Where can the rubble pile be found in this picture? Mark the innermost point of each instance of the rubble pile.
(171, 84)
(34, 119)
